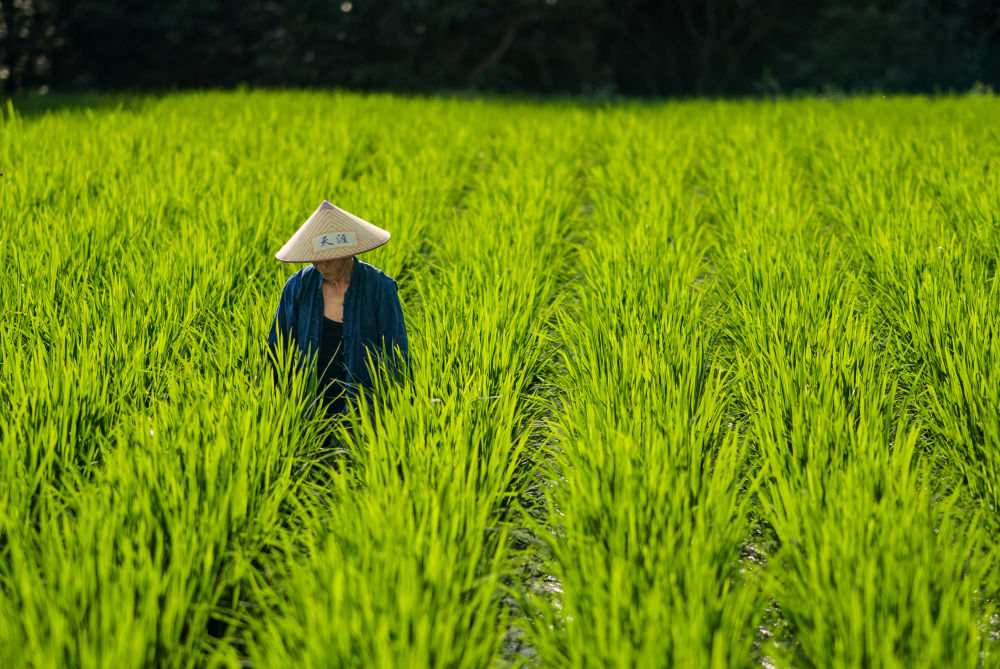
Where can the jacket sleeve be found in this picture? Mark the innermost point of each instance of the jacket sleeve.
(392, 328)
(283, 326)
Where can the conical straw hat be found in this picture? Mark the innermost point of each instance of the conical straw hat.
(331, 233)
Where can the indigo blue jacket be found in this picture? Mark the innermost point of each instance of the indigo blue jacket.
(373, 320)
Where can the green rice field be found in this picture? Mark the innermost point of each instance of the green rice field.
(695, 384)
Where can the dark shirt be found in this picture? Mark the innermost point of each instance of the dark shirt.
(330, 365)
(373, 321)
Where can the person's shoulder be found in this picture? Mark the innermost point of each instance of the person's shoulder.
(302, 277)
(376, 276)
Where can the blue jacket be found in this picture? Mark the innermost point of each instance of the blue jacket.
(373, 319)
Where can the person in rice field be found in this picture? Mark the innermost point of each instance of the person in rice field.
(338, 312)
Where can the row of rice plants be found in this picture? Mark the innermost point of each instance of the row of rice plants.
(872, 563)
(153, 481)
(650, 493)
(774, 437)
(805, 352)
(404, 561)
(928, 243)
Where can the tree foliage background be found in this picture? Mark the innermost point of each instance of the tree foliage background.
(635, 47)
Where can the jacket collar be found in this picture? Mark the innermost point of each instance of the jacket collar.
(314, 280)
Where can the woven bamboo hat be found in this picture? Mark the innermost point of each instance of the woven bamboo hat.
(331, 233)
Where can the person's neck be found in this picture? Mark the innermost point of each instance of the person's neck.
(343, 277)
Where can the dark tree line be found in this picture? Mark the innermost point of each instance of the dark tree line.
(636, 47)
